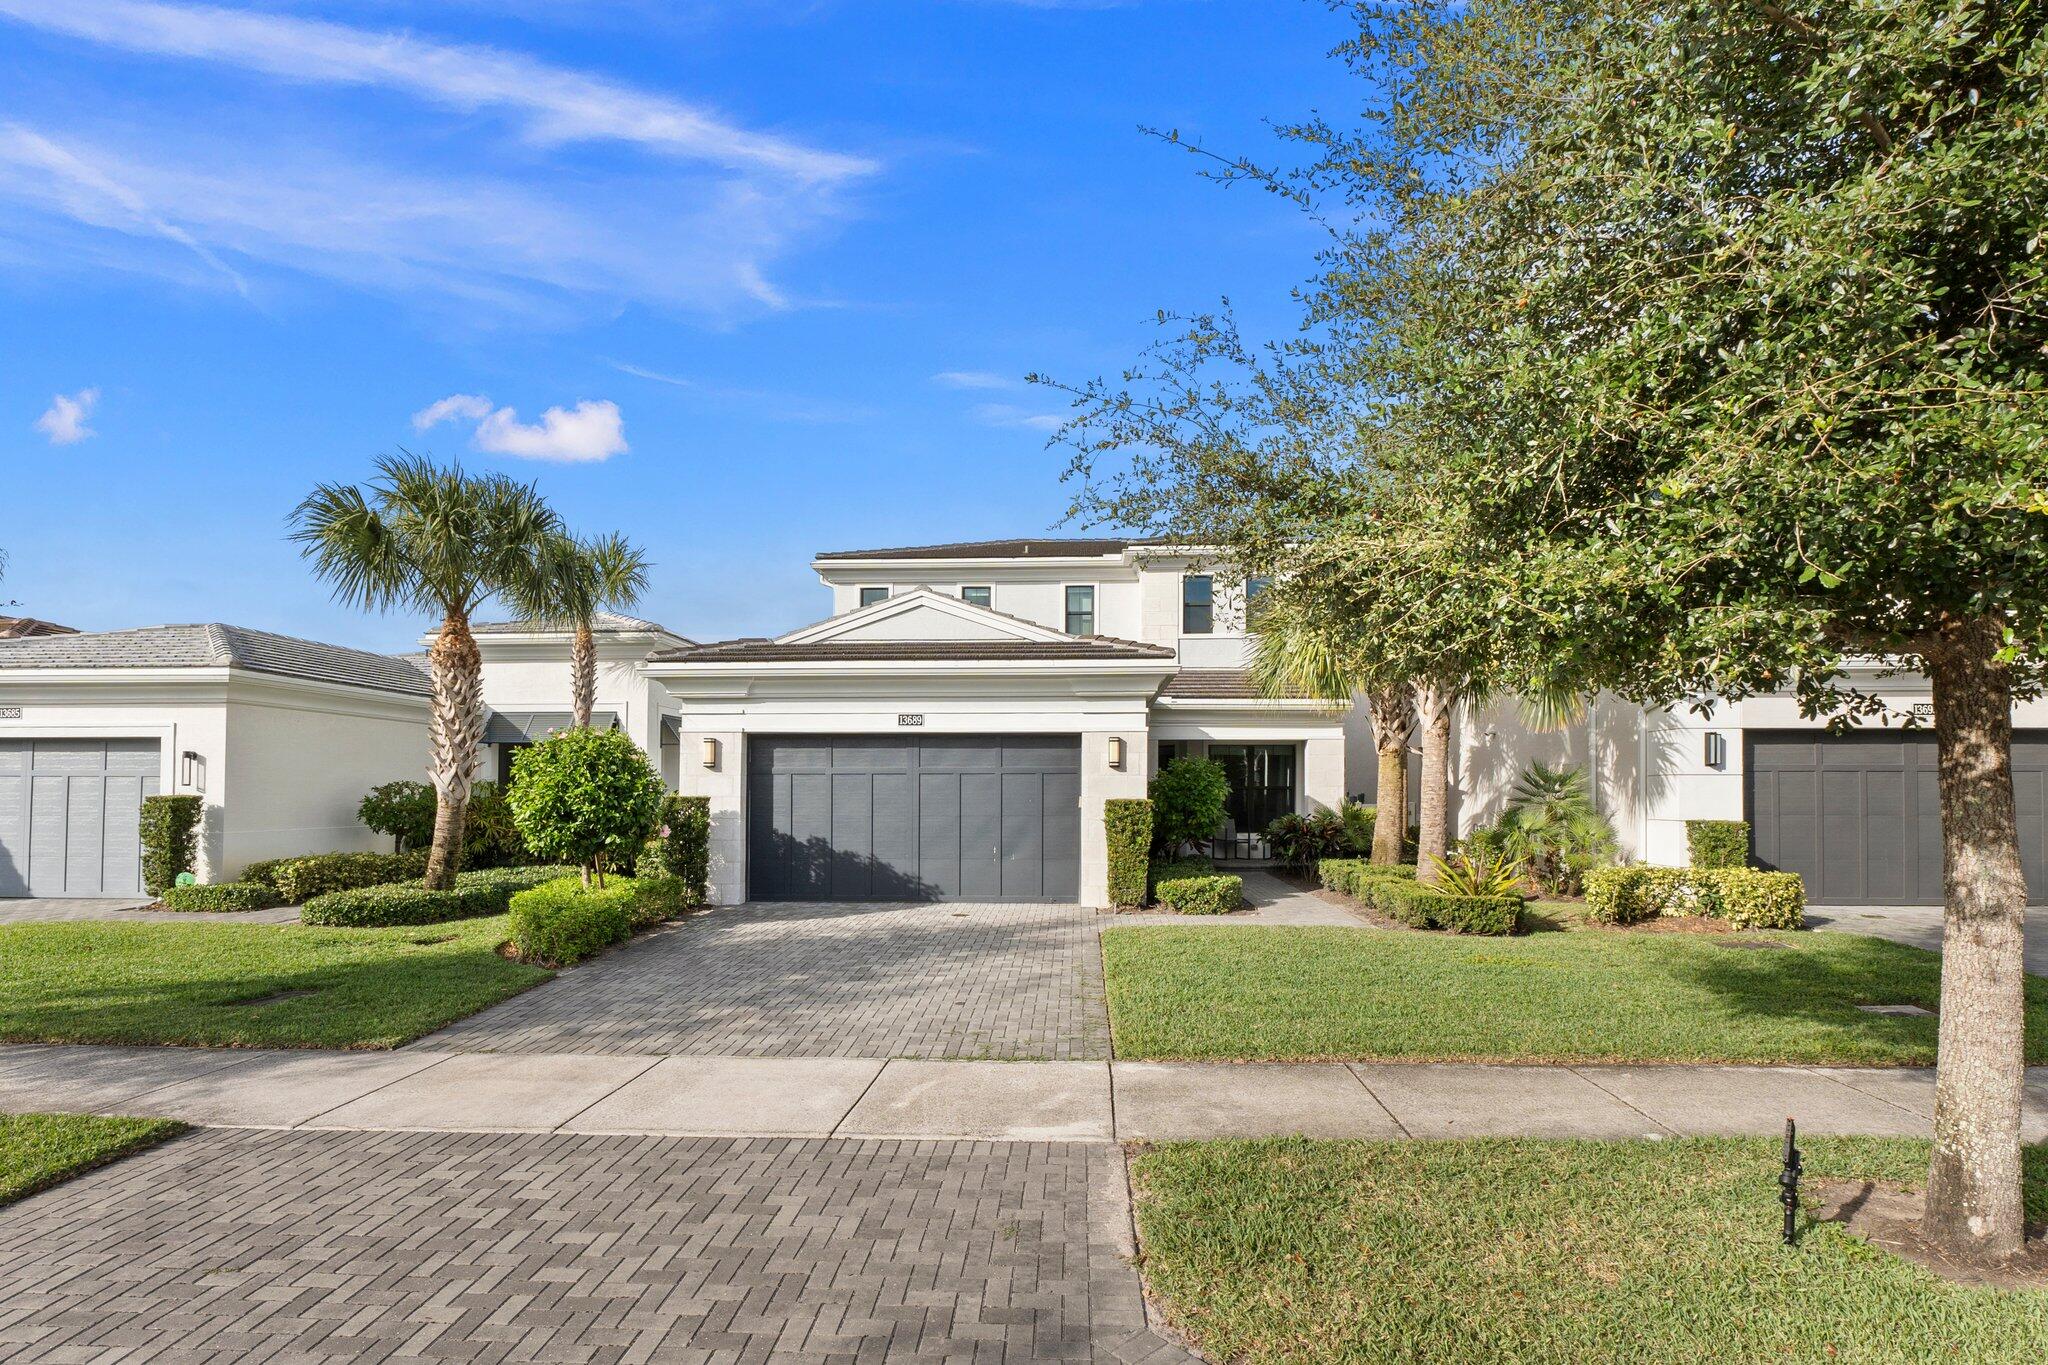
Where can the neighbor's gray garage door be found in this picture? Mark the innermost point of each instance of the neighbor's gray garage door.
(882, 818)
(1859, 816)
(69, 810)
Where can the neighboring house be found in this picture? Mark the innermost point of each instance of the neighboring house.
(280, 736)
(526, 686)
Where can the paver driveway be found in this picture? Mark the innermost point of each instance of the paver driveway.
(241, 1245)
(1008, 982)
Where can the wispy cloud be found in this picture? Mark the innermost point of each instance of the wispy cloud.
(64, 421)
(766, 403)
(556, 105)
(1010, 415)
(588, 432)
(975, 379)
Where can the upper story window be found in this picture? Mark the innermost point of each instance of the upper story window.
(1081, 609)
(1197, 604)
(978, 597)
(1254, 589)
(870, 596)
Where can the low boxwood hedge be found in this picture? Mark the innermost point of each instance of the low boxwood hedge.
(299, 880)
(1212, 894)
(566, 921)
(1425, 907)
(1746, 897)
(1351, 876)
(474, 895)
(1717, 843)
(219, 896)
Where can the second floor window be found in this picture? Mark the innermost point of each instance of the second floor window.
(978, 597)
(1254, 589)
(870, 596)
(1197, 604)
(1081, 610)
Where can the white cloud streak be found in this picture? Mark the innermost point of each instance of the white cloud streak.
(975, 379)
(64, 421)
(473, 406)
(589, 432)
(1010, 415)
(557, 105)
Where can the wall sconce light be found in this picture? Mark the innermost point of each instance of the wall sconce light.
(1716, 749)
(1116, 751)
(190, 769)
(710, 752)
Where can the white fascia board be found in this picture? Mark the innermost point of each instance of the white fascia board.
(911, 568)
(327, 698)
(101, 686)
(1253, 704)
(913, 669)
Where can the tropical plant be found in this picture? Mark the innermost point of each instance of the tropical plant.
(1188, 800)
(1301, 841)
(584, 577)
(427, 538)
(1479, 872)
(1550, 821)
(587, 797)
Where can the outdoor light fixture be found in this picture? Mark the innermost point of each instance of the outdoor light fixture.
(188, 769)
(1717, 749)
(710, 752)
(1116, 751)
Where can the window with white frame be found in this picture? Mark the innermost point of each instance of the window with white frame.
(1080, 609)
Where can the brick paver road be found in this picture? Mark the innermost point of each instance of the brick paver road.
(252, 1246)
(1008, 982)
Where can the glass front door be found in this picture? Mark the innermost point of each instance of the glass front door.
(1262, 780)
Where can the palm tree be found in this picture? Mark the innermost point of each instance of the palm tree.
(584, 578)
(425, 538)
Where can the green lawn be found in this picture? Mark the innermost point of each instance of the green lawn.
(1569, 1252)
(39, 1150)
(1268, 993)
(206, 984)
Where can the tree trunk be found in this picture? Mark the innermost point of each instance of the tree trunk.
(455, 730)
(582, 677)
(1436, 705)
(1393, 716)
(1974, 1210)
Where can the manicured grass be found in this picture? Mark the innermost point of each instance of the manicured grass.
(206, 984)
(1269, 993)
(39, 1150)
(1569, 1252)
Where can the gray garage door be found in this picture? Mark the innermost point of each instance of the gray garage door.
(1859, 816)
(69, 810)
(882, 818)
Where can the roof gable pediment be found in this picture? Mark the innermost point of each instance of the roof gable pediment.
(922, 614)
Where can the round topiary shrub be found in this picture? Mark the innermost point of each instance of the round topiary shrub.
(1188, 800)
(587, 797)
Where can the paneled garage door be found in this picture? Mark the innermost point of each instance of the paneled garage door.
(883, 818)
(1859, 816)
(69, 815)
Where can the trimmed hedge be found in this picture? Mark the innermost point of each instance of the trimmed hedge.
(1746, 897)
(1717, 843)
(475, 894)
(1352, 875)
(1425, 907)
(681, 848)
(298, 880)
(1211, 895)
(1127, 826)
(219, 896)
(566, 921)
(170, 839)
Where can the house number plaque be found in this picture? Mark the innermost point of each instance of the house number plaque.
(10, 713)
(910, 720)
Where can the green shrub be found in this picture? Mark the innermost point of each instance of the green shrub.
(490, 834)
(1717, 843)
(1210, 895)
(298, 880)
(681, 846)
(587, 797)
(1747, 897)
(1359, 819)
(219, 896)
(1167, 869)
(1127, 828)
(660, 898)
(406, 811)
(1425, 907)
(170, 839)
(1188, 798)
(1301, 841)
(475, 894)
(403, 810)
(566, 921)
(1551, 823)
(1350, 876)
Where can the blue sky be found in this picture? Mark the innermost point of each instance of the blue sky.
(744, 281)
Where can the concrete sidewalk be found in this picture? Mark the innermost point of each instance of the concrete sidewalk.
(1017, 1101)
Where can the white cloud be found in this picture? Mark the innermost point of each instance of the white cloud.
(473, 406)
(1010, 415)
(975, 379)
(588, 432)
(558, 105)
(64, 422)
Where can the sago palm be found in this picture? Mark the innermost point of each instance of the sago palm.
(583, 578)
(421, 537)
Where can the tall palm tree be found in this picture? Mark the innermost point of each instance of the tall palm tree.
(421, 537)
(585, 577)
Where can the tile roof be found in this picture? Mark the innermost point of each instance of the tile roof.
(604, 622)
(24, 627)
(910, 651)
(1217, 684)
(218, 646)
(1041, 547)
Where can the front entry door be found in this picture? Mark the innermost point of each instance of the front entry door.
(1262, 780)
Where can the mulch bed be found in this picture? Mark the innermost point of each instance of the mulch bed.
(1889, 1218)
